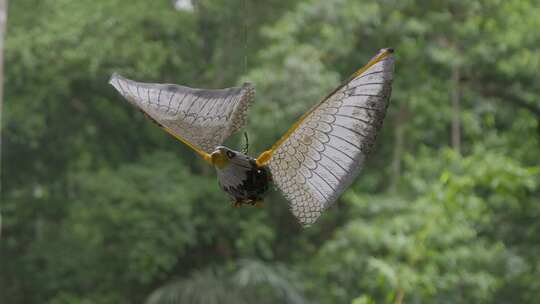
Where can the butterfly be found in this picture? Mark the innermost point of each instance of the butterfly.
(312, 164)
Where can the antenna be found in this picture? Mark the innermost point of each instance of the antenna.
(246, 147)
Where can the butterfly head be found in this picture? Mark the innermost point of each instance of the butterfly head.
(222, 156)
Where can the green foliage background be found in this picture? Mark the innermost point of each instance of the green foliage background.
(100, 206)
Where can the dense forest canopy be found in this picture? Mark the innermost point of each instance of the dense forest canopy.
(100, 206)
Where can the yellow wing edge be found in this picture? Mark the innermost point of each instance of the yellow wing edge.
(207, 157)
(265, 156)
(201, 153)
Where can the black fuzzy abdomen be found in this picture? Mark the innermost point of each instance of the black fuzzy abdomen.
(252, 187)
(256, 183)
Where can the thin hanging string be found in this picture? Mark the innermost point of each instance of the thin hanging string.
(246, 15)
(246, 49)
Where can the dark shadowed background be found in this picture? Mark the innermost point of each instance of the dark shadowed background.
(100, 206)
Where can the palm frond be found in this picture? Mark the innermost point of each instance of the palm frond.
(251, 281)
(202, 287)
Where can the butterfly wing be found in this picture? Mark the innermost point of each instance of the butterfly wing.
(202, 119)
(320, 156)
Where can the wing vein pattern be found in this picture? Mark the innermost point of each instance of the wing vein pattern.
(204, 118)
(322, 157)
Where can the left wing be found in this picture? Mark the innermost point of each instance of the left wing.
(322, 153)
(201, 119)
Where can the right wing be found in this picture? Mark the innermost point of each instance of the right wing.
(201, 119)
(323, 152)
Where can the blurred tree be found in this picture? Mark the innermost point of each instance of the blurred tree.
(442, 51)
(447, 246)
(96, 212)
(69, 149)
(3, 22)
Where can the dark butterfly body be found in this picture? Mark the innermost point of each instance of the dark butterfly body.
(241, 177)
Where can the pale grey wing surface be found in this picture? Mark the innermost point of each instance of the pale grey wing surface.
(324, 154)
(203, 118)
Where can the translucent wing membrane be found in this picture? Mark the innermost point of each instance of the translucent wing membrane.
(202, 119)
(323, 153)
